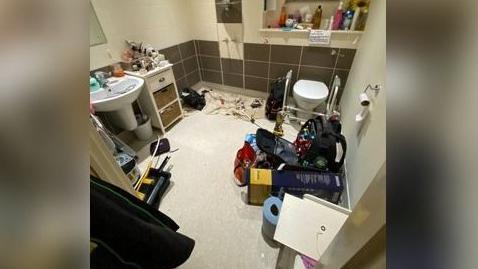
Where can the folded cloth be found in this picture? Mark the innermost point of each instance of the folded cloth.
(127, 231)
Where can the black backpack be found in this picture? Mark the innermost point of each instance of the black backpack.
(324, 136)
(275, 99)
(193, 99)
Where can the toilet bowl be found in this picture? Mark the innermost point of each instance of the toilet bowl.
(309, 94)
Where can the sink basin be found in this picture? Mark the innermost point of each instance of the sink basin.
(116, 99)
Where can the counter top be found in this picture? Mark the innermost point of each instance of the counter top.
(149, 73)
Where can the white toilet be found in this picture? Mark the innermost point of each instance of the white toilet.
(308, 95)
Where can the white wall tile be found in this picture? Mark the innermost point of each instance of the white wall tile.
(230, 37)
(252, 11)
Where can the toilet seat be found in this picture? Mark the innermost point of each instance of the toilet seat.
(311, 90)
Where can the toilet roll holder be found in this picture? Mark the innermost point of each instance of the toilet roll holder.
(365, 101)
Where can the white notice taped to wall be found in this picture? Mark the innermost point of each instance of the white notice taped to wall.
(319, 37)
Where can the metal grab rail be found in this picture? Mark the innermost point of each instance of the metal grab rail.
(331, 101)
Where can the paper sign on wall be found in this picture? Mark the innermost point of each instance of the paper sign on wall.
(319, 37)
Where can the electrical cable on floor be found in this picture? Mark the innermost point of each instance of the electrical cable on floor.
(249, 118)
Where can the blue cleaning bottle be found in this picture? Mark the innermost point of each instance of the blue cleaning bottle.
(347, 21)
(94, 84)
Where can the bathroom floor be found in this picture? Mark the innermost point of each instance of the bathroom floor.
(203, 198)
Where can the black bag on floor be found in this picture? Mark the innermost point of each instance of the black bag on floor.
(317, 144)
(278, 149)
(276, 97)
(129, 233)
(193, 99)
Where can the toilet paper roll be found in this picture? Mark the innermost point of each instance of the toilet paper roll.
(364, 100)
(270, 215)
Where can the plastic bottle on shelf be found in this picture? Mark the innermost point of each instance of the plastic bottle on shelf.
(347, 20)
(353, 26)
(361, 20)
(317, 18)
(282, 17)
(338, 17)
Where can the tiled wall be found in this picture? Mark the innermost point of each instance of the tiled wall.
(230, 14)
(263, 63)
(159, 23)
(209, 61)
(185, 63)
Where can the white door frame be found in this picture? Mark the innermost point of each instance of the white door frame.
(103, 163)
(366, 219)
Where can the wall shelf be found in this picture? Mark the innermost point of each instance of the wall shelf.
(282, 30)
(296, 37)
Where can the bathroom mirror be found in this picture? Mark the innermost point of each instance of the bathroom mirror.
(97, 37)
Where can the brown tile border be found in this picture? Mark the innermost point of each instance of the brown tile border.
(232, 66)
(263, 63)
(256, 52)
(277, 70)
(319, 56)
(256, 69)
(187, 49)
(232, 15)
(234, 80)
(210, 48)
(258, 84)
(212, 76)
(345, 58)
(210, 63)
(285, 54)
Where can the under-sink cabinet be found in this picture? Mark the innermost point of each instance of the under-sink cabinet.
(159, 98)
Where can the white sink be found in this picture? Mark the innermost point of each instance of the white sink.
(116, 99)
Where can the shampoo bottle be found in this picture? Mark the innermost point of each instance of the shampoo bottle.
(317, 18)
(338, 17)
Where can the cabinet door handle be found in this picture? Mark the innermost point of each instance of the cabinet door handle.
(161, 79)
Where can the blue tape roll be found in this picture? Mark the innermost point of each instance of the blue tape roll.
(270, 215)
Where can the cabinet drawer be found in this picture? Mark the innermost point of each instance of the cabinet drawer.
(170, 113)
(160, 80)
(165, 96)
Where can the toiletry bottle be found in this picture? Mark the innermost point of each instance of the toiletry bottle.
(331, 23)
(283, 17)
(297, 16)
(353, 26)
(347, 20)
(317, 18)
(338, 17)
(362, 18)
(118, 70)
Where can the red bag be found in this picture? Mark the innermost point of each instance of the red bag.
(245, 158)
